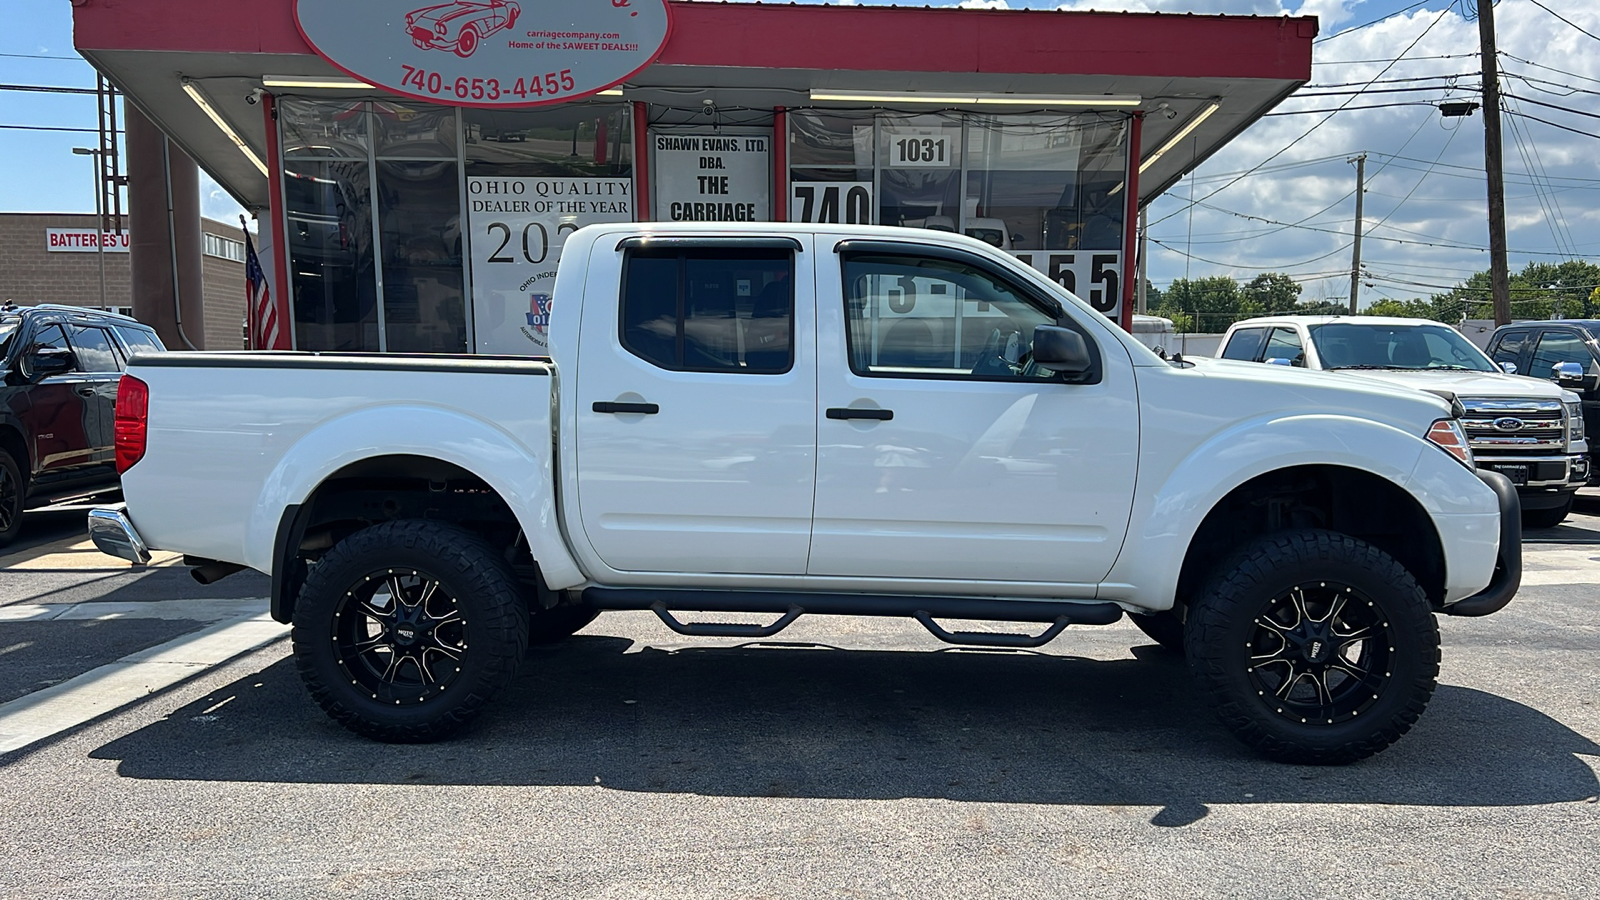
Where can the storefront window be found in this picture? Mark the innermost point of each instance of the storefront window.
(323, 129)
(335, 295)
(588, 140)
(412, 130)
(424, 304)
(1046, 187)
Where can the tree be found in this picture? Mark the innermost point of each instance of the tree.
(1272, 292)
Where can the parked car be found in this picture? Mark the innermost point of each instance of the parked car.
(59, 367)
(850, 420)
(1563, 351)
(1526, 429)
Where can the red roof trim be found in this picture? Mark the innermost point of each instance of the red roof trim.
(848, 38)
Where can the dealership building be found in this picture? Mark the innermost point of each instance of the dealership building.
(55, 258)
(415, 168)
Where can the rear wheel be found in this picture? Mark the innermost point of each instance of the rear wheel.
(12, 493)
(405, 630)
(1547, 518)
(1314, 647)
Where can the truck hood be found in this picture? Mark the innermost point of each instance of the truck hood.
(1463, 384)
(1253, 388)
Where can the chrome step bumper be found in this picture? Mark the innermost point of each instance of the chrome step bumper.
(112, 531)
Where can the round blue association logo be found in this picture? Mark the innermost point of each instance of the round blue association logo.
(491, 53)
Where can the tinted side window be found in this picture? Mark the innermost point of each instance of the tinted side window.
(1285, 344)
(1559, 347)
(139, 340)
(93, 347)
(1510, 347)
(912, 315)
(710, 310)
(1244, 344)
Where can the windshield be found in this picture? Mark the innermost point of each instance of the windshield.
(1348, 345)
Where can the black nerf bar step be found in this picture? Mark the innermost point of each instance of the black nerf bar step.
(992, 638)
(725, 629)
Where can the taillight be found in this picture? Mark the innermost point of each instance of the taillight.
(1448, 436)
(133, 421)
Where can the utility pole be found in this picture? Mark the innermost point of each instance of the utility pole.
(1499, 277)
(1144, 234)
(1355, 260)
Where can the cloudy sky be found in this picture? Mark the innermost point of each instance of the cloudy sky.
(1425, 206)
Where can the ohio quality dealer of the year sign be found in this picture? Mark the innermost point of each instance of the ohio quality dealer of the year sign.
(493, 53)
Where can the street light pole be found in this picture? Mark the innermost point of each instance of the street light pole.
(99, 216)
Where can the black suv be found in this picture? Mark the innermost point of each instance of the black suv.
(59, 368)
(1559, 350)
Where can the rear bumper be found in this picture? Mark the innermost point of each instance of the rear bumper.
(113, 532)
(1508, 566)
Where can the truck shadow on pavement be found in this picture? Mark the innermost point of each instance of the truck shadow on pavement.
(786, 720)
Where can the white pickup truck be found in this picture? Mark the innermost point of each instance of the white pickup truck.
(821, 419)
(1527, 429)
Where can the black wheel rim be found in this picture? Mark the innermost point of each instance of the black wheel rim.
(10, 500)
(1320, 654)
(400, 636)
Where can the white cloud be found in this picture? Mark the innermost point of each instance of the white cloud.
(218, 204)
(984, 4)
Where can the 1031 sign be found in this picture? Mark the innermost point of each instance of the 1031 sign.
(1094, 276)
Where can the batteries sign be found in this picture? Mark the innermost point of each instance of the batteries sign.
(712, 177)
(518, 227)
(490, 53)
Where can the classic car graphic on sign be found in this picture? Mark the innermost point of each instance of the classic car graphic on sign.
(459, 26)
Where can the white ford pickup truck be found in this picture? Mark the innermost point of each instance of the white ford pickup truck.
(822, 419)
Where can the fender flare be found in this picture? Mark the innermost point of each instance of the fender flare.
(521, 479)
(1165, 524)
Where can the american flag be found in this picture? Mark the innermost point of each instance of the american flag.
(258, 296)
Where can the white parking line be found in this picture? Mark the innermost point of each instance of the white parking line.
(55, 709)
(198, 610)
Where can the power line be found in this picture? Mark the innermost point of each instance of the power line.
(1561, 17)
(1576, 112)
(1368, 24)
(42, 56)
(1354, 62)
(51, 128)
(1554, 125)
(1271, 268)
(1335, 109)
(46, 89)
(1324, 120)
(1318, 87)
(1529, 62)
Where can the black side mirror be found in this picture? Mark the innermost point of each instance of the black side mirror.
(49, 361)
(1061, 350)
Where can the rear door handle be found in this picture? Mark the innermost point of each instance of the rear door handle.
(84, 391)
(850, 412)
(609, 406)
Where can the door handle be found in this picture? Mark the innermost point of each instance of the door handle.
(84, 391)
(849, 412)
(608, 406)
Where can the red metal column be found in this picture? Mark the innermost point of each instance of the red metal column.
(780, 165)
(277, 219)
(1130, 223)
(641, 163)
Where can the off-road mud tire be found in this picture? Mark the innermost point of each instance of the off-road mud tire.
(493, 633)
(1223, 621)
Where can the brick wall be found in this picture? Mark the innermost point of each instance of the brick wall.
(30, 274)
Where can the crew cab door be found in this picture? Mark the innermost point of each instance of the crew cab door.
(696, 418)
(942, 454)
(101, 364)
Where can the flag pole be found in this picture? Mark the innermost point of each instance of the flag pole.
(249, 299)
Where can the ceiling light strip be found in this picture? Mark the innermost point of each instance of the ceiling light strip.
(1180, 134)
(1035, 100)
(206, 107)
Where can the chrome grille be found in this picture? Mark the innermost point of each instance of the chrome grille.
(1504, 428)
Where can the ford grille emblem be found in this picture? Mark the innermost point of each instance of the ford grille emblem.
(1509, 423)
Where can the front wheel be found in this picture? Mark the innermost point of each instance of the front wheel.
(405, 630)
(1547, 518)
(1314, 647)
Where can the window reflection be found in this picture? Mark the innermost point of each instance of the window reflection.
(329, 210)
(420, 230)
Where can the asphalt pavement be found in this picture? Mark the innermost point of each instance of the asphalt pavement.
(846, 757)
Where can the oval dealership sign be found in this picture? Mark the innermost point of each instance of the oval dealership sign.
(490, 53)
